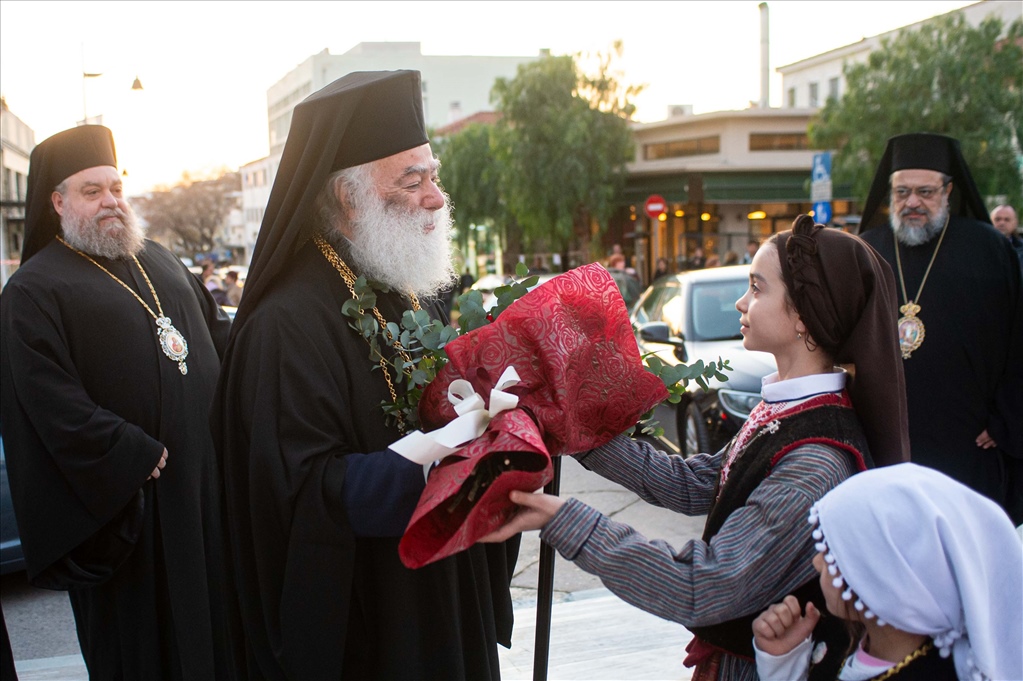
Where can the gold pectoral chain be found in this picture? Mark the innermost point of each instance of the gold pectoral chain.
(172, 341)
(911, 327)
(349, 278)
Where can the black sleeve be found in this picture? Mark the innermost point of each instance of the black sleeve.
(380, 492)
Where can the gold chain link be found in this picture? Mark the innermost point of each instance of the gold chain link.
(919, 652)
(126, 287)
(349, 278)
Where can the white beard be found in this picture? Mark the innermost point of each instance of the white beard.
(915, 236)
(89, 235)
(388, 244)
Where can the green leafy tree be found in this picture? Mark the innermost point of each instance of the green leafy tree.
(561, 145)
(946, 77)
(471, 177)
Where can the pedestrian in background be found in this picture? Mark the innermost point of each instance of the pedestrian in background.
(1005, 221)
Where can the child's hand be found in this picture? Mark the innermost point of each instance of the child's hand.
(781, 627)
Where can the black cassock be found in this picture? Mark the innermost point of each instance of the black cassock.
(967, 376)
(89, 403)
(317, 505)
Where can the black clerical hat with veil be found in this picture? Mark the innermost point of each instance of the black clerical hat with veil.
(924, 151)
(361, 117)
(52, 161)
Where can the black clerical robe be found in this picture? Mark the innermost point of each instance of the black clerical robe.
(967, 376)
(90, 401)
(317, 505)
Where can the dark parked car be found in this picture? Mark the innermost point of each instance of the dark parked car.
(690, 316)
(11, 558)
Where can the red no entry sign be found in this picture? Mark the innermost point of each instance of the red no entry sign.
(654, 206)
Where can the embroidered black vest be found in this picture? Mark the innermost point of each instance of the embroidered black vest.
(830, 424)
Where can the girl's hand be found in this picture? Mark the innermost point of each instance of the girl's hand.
(781, 627)
(535, 511)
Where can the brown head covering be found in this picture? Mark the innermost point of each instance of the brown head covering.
(52, 161)
(845, 294)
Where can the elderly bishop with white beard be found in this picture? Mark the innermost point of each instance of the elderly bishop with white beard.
(317, 500)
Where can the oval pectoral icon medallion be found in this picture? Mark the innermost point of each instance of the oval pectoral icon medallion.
(173, 343)
(911, 334)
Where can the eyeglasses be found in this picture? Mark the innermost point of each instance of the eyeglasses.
(925, 193)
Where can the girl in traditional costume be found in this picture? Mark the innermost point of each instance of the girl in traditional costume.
(928, 573)
(818, 298)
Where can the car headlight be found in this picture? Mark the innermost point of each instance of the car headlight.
(738, 404)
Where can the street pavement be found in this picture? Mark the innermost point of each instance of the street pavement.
(594, 635)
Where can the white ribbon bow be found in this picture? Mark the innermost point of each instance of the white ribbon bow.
(473, 418)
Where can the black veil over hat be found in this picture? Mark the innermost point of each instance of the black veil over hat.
(52, 161)
(361, 117)
(924, 151)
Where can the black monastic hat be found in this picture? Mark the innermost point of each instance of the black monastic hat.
(362, 117)
(924, 151)
(52, 161)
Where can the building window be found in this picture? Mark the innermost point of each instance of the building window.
(778, 141)
(814, 94)
(833, 88)
(792, 98)
(676, 148)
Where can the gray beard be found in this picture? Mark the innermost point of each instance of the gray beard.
(916, 236)
(388, 245)
(89, 236)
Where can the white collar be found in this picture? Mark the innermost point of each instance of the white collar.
(774, 390)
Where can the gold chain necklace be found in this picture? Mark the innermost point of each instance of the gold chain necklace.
(349, 278)
(919, 652)
(911, 328)
(172, 342)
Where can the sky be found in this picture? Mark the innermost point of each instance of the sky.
(206, 66)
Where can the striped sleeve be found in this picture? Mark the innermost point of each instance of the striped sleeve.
(665, 480)
(762, 552)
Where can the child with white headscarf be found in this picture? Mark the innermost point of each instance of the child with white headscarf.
(931, 571)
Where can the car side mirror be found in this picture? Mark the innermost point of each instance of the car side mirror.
(659, 332)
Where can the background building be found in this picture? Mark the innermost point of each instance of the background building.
(732, 176)
(812, 81)
(18, 140)
(453, 87)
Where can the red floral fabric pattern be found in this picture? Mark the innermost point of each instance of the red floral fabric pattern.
(582, 383)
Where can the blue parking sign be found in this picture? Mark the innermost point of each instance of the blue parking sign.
(822, 212)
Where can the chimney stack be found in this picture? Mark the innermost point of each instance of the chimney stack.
(765, 56)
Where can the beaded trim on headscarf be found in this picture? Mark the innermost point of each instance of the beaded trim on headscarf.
(942, 641)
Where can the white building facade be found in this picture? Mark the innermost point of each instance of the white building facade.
(809, 83)
(18, 140)
(453, 87)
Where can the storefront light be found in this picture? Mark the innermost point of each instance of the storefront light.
(663, 217)
(705, 217)
(680, 213)
(757, 215)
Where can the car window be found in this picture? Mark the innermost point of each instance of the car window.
(652, 308)
(713, 309)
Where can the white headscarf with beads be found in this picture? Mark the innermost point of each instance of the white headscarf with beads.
(926, 554)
